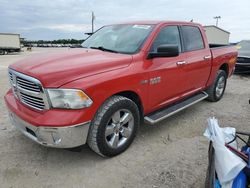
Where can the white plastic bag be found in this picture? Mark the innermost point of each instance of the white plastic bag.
(227, 164)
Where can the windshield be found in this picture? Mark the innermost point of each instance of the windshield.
(126, 39)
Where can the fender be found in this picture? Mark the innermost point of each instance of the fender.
(102, 86)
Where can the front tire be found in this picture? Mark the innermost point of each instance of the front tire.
(114, 126)
(216, 90)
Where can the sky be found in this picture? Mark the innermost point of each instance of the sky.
(55, 19)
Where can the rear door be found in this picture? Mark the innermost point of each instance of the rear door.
(197, 57)
(167, 78)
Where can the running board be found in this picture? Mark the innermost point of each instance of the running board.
(164, 113)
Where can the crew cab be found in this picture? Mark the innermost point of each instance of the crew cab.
(124, 75)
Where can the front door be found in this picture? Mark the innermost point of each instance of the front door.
(167, 78)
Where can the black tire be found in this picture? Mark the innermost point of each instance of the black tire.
(211, 174)
(211, 91)
(2, 52)
(97, 138)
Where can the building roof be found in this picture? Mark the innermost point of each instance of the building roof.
(9, 34)
(217, 28)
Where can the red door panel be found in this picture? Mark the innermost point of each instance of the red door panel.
(172, 82)
(197, 68)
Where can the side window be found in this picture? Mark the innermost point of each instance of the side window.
(192, 38)
(167, 35)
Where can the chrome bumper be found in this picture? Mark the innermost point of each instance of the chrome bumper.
(58, 137)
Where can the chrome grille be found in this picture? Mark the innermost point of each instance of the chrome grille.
(28, 90)
(243, 60)
(10, 77)
(28, 85)
(32, 101)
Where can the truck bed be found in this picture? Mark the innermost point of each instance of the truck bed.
(222, 54)
(218, 45)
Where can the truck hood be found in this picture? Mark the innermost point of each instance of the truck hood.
(57, 69)
(244, 53)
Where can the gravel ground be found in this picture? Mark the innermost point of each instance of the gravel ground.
(170, 154)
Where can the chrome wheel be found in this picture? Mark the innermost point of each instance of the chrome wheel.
(119, 128)
(220, 87)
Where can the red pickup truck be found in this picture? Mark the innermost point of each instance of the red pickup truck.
(124, 75)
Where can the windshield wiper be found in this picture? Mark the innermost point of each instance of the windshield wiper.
(103, 49)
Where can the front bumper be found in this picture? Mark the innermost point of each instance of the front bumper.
(242, 65)
(58, 137)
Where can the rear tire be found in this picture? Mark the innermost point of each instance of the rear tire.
(114, 126)
(216, 90)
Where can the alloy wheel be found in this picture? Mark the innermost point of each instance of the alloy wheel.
(119, 128)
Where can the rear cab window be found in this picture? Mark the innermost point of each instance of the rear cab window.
(192, 38)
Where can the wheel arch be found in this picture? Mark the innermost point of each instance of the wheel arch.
(225, 67)
(135, 98)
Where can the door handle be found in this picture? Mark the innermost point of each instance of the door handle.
(181, 62)
(207, 57)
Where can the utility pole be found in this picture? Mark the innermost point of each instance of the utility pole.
(217, 19)
(92, 21)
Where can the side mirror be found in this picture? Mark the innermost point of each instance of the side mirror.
(165, 50)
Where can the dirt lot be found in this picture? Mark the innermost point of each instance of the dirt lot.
(171, 154)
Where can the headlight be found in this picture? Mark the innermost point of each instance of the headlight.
(68, 98)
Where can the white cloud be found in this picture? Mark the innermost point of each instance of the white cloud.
(69, 27)
(72, 18)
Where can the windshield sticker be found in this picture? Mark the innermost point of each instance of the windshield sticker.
(142, 26)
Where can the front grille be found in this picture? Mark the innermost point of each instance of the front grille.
(243, 60)
(28, 85)
(33, 101)
(10, 76)
(28, 90)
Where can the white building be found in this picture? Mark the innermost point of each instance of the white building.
(216, 35)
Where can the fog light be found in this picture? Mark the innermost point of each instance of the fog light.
(56, 137)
